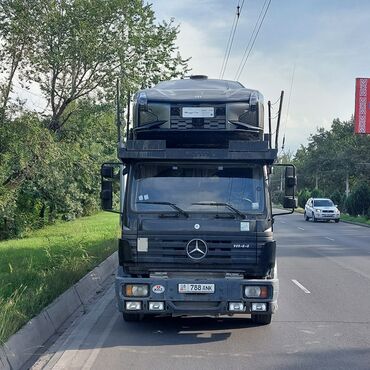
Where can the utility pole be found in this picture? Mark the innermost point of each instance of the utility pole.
(347, 185)
(281, 180)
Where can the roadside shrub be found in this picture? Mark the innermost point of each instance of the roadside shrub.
(358, 202)
(349, 206)
(53, 176)
(317, 193)
(338, 198)
(303, 196)
(277, 197)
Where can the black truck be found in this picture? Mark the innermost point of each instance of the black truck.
(195, 203)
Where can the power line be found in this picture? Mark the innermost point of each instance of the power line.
(252, 39)
(227, 47)
(231, 38)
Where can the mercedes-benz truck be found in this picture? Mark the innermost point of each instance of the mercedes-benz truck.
(195, 203)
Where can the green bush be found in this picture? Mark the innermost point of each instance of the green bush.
(278, 197)
(317, 193)
(358, 202)
(45, 177)
(303, 196)
(338, 198)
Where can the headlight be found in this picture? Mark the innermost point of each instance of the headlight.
(241, 112)
(318, 210)
(136, 290)
(155, 112)
(256, 291)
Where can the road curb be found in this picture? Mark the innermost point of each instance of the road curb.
(22, 345)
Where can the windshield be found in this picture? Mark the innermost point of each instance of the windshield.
(323, 203)
(184, 185)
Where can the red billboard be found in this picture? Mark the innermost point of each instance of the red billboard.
(362, 106)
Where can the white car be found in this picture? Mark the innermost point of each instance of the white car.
(321, 209)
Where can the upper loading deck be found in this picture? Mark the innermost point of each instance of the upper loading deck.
(198, 110)
(198, 119)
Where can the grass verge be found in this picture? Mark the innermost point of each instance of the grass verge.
(37, 269)
(357, 219)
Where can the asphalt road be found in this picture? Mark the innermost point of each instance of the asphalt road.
(323, 321)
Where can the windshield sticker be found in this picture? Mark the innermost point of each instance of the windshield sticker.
(146, 197)
(244, 225)
(141, 197)
(255, 205)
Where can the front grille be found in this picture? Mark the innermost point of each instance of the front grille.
(326, 211)
(218, 122)
(220, 252)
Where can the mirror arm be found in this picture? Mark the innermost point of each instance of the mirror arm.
(282, 213)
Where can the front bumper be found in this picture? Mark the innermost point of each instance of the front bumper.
(326, 216)
(217, 303)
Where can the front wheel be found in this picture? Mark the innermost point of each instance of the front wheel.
(337, 220)
(306, 218)
(261, 319)
(314, 219)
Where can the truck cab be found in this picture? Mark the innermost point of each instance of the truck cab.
(195, 203)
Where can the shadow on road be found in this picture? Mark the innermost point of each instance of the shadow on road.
(160, 331)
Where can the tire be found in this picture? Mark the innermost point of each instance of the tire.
(337, 220)
(314, 219)
(306, 218)
(131, 317)
(261, 319)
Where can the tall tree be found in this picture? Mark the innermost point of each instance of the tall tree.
(333, 155)
(82, 46)
(15, 42)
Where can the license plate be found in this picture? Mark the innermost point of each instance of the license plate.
(198, 112)
(196, 288)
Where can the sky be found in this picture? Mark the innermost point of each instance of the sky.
(311, 49)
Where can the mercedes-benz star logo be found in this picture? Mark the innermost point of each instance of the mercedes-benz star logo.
(196, 249)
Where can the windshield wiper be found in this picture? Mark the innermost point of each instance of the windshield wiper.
(227, 205)
(173, 205)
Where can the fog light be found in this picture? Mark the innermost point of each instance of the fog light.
(136, 290)
(236, 306)
(259, 306)
(133, 306)
(156, 306)
(254, 291)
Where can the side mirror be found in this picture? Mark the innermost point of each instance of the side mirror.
(290, 181)
(110, 181)
(287, 195)
(290, 184)
(106, 195)
(290, 202)
(106, 171)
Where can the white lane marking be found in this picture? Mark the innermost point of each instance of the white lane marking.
(283, 222)
(300, 228)
(299, 285)
(326, 237)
